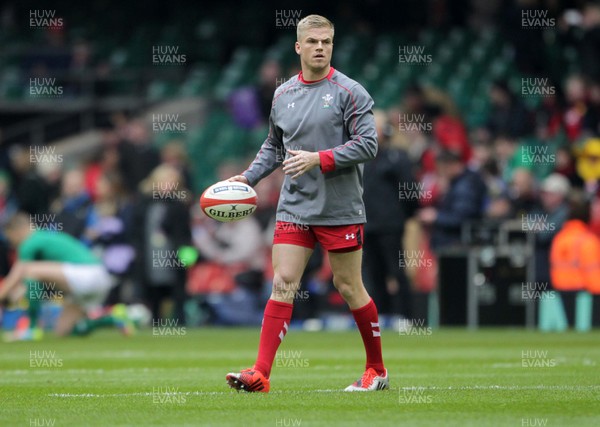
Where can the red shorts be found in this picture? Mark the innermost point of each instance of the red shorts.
(333, 238)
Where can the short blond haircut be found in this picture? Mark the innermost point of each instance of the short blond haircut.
(313, 21)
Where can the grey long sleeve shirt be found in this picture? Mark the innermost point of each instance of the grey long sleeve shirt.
(332, 116)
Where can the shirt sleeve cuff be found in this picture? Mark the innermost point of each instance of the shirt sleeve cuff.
(250, 183)
(327, 161)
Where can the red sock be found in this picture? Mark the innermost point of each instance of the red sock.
(275, 324)
(367, 320)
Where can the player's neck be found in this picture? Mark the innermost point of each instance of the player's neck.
(312, 76)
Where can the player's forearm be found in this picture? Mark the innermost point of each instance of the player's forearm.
(266, 161)
(360, 149)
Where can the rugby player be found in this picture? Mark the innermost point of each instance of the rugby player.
(53, 263)
(321, 129)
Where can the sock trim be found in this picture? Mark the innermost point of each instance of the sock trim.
(278, 310)
(363, 308)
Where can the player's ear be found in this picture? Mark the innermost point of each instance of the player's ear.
(297, 47)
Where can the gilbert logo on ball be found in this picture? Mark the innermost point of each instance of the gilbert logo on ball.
(228, 201)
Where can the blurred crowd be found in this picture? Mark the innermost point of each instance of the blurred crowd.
(131, 201)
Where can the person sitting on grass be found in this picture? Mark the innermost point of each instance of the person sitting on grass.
(55, 263)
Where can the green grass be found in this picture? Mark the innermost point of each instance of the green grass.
(448, 378)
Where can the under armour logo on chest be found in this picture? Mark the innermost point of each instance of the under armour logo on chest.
(291, 105)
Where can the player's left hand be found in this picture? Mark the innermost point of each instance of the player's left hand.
(300, 162)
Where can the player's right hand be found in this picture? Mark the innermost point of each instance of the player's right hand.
(238, 178)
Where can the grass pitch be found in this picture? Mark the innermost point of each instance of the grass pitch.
(438, 378)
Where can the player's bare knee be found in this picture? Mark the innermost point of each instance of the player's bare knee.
(345, 288)
(285, 287)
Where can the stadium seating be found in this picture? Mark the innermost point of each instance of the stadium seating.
(464, 64)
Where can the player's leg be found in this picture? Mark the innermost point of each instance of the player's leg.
(289, 262)
(70, 316)
(90, 286)
(347, 278)
(116, 317)
(38, 277)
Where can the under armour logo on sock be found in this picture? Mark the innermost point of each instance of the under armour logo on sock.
(376, 333)
(282, 333)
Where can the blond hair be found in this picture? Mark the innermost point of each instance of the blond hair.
(163, 173)
(313, 21)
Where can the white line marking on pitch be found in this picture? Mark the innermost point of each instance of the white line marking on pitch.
(209, 393)
(148, 394)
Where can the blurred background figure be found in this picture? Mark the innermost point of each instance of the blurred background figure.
(462, 201)
(73, 210)
(508, 115)
(552, 211)
(175, 155)
(575, 264)
(230, 268)
(576, 106)
(251, 106)
(388, 207)
(522, 192)
(231, 264)
(110, 236)
(160, 227)
(137, 156)
(8, 203)
(30, 189)
(590, 44)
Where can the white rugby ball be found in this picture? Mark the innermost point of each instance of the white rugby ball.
(228, 201)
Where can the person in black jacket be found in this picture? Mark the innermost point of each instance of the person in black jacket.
(590, 43)
(137, 156)
(387, 212)
(462, 202)
(30, 189)
(161, 226)
(509, 116)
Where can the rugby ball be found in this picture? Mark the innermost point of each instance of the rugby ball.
(228, 201)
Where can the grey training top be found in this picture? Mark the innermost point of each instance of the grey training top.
(334, 117)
